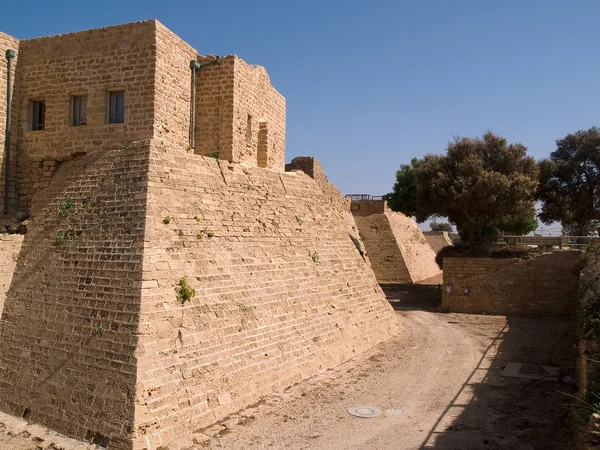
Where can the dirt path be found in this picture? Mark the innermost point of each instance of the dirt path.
(438, 384)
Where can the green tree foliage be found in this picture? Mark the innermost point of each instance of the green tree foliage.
(441, 226)
(404, 196)
(481, 185)
(520, 227)
(569, 186)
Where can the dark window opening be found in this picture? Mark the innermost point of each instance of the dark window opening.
(78, 110)
(116, 107)
(38, 115)
(249, 130)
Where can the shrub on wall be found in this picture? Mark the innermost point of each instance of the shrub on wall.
(462, 250)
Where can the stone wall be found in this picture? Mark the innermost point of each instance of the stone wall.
(397, 250)
(172, 87)
(239, 116)
(8, 43)
(309, 166)
(84, 63)
(367, 207)
(545, 285)
(69, 327)
(258, 119)
(92, 326)
(10, 246)
(282, 292)
(437, 239)
(214, 108)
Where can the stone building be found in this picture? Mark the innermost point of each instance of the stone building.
(100, 89)
(172, 272)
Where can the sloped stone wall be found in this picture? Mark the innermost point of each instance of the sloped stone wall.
(10, 246)
(437, 239)
(69, 326)
(281, 290)
(95, 343)
(395, 245)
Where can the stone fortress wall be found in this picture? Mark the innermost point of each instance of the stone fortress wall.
(238, 115)
(282, 292)
(8, 43)
(545, 285)
(437, 239)
(10, 247)
(395, 245)
(95, 342)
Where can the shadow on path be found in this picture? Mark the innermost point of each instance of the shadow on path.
(492, 411)
(426, 297)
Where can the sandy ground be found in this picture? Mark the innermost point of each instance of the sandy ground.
(438, 385)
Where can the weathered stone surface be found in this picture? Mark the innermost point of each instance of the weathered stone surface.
(281, 290)
(395, 245)
(95, 341)
(437, 239)
(239, 116)
(8, 43)
(69, 327)
(21, 215)
(546, 285)
(281, 293)
(10, 246)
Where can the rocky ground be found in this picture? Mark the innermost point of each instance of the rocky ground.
(438, 385)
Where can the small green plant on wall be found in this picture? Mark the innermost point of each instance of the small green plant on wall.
(97, 329)
(61, 238)
(184, 290)
(315, 257)
(167, 220)
(64, 207)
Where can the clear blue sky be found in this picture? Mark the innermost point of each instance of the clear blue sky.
(369, 85)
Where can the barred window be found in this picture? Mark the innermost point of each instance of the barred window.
(78, 110)
(116, 107)
(38, 115)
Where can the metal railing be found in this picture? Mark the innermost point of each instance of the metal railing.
(357, 197)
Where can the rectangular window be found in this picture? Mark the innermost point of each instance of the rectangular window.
(38, 115)
(249, 131)
(78, 110)
(116, 107)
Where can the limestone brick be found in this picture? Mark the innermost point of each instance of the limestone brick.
(546, 285)
(8, 43)
(10, 246)
(396, 247)
(309, 166)
(95, 342)
(437, 239)
(69, 327)
(282, 292)
(238, 116)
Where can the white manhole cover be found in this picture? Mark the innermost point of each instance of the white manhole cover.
(364, 411)
(530, 371)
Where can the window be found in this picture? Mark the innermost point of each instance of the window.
(249, 131)
(38, 115)
(78, 110)
(116, 107)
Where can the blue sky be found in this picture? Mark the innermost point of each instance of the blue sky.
(369, 85)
